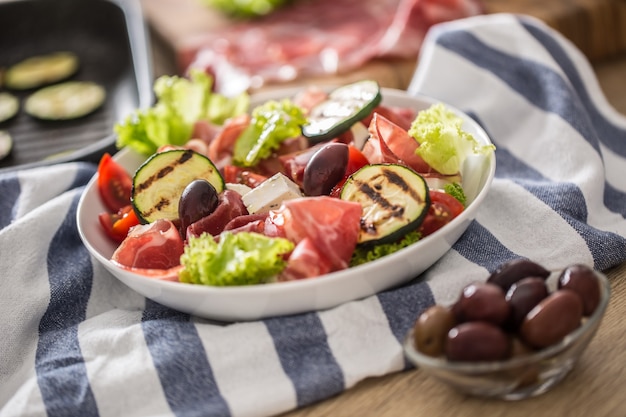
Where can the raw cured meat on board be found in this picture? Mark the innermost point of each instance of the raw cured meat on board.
(315, 38)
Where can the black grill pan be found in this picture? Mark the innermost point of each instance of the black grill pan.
(110, 39)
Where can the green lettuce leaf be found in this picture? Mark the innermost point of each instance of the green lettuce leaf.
(444, 145)
(272, 123)
(365, 253)
(181, 102)
(242, 258)
(245, 8)
(456, 190)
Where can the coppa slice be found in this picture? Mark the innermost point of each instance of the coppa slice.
(160, 181)
(344, 107)
(394, 198)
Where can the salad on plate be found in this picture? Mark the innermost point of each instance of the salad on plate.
(313, 183)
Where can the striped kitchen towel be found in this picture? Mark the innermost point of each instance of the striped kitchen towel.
(75, 341)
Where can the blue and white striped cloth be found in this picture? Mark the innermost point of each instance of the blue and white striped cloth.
(75, 341)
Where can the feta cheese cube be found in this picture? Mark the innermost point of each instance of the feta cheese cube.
(270, 194)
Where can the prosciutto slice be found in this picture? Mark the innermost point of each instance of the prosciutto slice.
(389, 143)
(324, 229)
(230, 207)
(156, 246)
(317, 37)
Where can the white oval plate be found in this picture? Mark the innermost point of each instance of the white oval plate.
(260, 301)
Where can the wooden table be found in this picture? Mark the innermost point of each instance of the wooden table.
(595, 388)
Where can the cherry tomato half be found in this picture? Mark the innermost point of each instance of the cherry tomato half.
(356, 161)
(117, 225)
(236, 175)
(443, 208)
(114, 184)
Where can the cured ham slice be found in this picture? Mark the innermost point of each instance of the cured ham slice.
(389, 143)
(221, 146)
(305, 261)
(401, 116)
(315, 38)
(157, 245)
(230, 207)
(329, 228)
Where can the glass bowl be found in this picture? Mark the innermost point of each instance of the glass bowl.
(519, 377)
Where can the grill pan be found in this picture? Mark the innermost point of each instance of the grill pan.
(110, 39)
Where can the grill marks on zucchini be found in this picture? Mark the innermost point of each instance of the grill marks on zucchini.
(160, 181)
(394, 198)
(163, 172)
(374, 195)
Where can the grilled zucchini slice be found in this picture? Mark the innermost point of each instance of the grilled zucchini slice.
(9, 106)
(6, 144)
(40, 70)
(65, 101)
(344, 107)
(395, 200)
(159, 182)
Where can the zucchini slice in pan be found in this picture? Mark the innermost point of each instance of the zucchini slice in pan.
(395, 200)
(159, 182)
(6, 144)
(68, 100)
(40, 70)
(9, 106)
(344, 107)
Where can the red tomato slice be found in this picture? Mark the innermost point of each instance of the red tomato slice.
(356, 161)
(114, 184)
(443, 208)
(237, 175)
(117, 225)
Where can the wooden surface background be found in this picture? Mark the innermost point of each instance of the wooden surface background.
(596, 27)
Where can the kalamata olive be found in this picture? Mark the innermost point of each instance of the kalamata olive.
(512, 271)
(477, 341)
(198, 199)
(325, 169)
(582, 280)
(552, 319)
(431, 330)
(523, 296)
(481, 301)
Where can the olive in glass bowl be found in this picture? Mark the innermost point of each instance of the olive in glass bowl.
(508, 358)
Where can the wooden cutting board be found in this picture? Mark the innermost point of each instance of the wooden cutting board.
(596, 27)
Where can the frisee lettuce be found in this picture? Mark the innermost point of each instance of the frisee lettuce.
(444, 145)
(364, 254)
(272, 123)
(181, 102)
(456, 190)
(243, 258)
